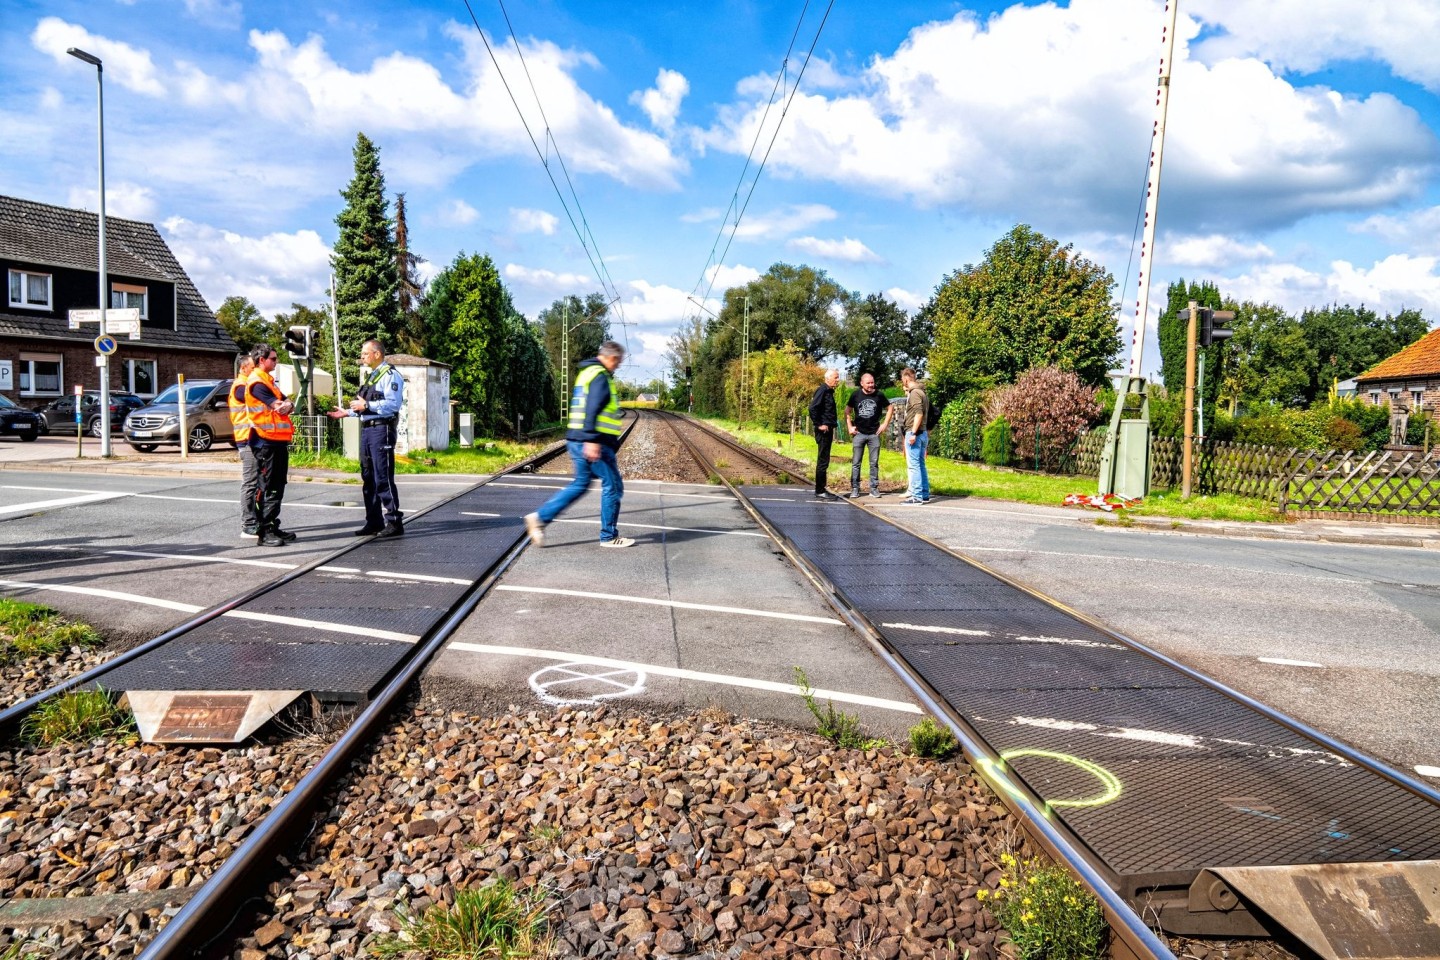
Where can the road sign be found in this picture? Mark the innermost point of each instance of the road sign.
(129, 327)
(105, 345)
(78, 317)
(118, 320)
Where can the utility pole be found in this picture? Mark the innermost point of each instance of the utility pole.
(744, 361)
(564, 359)
(1188, 459)
(104, 302)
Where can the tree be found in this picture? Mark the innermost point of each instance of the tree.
(366, 280)
(246, 325)
(1047, 409)
(1029, 303)
(891, 340)
(1269, 359)
(1348, 341)
(588, 321)
(779, 383)
(408, 288)
(319, 321)
(467, 319)
(1172, 332)
(526, 391)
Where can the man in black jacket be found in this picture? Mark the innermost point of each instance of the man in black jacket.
(822, 415)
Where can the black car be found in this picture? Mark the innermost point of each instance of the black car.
(58, 416)
(17, 421)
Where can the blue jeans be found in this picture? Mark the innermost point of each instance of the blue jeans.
(915, 465)
(612, 488)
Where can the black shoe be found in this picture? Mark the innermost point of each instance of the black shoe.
(285, 535)
(368, 531)
(249, 531)
(271, 539)
(391, 530)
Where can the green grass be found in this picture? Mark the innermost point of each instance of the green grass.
(1046, 912)
(950, 478)
(76, 717)
(493, 922)
(841, 729)
(30, 630)
(486, 456)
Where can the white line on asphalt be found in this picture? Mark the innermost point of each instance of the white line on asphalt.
(288, 503)
(656, 526)
(108, 594)
(928, 629)
(15, 486)
(1173, 563)
(322, 625)
(1282, 662)
(38, 505)
(196, 559)
(473, 513)
(670, 603)
(423, 577)
(720, 678)
(1425, 771)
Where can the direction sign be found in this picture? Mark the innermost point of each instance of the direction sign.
(78, 317)
(105, 345)
(118, 320)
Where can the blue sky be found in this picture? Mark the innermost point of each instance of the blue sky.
(1302, 165)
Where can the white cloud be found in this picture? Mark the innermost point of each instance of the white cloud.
(131, 68)
(533, 221)
(458, 213)
(1045, 112)
(272, 271)
(1387, 286)
(1419, 230)
(1215, 250)
(910, 302)
(130, 201)
(847, 250)
(779, 222)
(661, 102)
(545, 281)
(722, 278)
(217, 13)
(1305, 35)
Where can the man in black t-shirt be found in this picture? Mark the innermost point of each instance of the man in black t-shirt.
(867, 414)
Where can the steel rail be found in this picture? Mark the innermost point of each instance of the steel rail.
(1032, 811)
(13, 715)
(670, 417)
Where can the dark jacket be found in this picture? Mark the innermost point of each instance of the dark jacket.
(822, 407)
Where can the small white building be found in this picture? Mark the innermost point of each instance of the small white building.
(425, 418)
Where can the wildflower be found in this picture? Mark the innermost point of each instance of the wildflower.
(982, 894)
(1004, 882)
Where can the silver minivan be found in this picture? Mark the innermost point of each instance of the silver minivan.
(207, 415)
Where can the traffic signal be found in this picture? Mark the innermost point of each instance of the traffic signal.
(1214, 325)
(298, 342)
(687, 372)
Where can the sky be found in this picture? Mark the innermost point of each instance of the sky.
(1301, 163)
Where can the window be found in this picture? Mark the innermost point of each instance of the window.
(126, 296)
(30, 290)
(1375, 398)
(40, 375)
(1417, 397)
(140, 377)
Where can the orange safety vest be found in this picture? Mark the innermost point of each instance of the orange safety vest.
(264, 421)
(239, 410)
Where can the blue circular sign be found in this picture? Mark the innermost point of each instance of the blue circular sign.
(106, 345)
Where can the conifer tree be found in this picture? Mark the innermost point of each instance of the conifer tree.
(407, 264)
(366, 281)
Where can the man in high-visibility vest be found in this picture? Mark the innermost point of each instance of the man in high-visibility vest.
(270, 434)
(592, 439)
(240, 426)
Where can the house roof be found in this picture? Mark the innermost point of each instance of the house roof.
(60, 236)
(1420, 359)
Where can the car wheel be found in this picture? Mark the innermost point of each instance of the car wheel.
(145, 447)
(30, 437)
(200, 438)
(95, 429)
(42, 428)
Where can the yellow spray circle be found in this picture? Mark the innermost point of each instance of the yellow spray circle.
(1108, 779)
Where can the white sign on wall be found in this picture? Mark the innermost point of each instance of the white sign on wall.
(7, 375)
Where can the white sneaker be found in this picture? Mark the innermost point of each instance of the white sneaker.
(535, 529)
(618, 542)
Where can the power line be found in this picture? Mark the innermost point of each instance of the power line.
(585, 236)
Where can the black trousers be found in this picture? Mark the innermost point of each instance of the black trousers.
(272, 469)
(823, 440)
(249, 481)
(377, 475)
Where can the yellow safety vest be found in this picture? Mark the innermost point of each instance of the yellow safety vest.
(608, 420)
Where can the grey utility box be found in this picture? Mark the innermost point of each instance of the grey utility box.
(467, 429)
(350, 437)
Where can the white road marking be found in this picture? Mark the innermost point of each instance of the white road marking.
(94, 496)
(38, 505)
(547, 678)
(678, 604)
(108, 594)
(422, 577)
(656, 526)
(681, 674)
(957, 631)
(1173, 563)
(1425, 771)
(198, 559)
(323, 625)
(288, 503)
(473, 513)
(1281, 661)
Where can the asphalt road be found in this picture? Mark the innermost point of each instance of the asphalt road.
(1345, 638)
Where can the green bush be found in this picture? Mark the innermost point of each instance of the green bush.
(1341, 434)
(996, 446)
(497, 921)
(840, 728)
(957, 436)
(76, 717)
(1047, 914)
(1415, 432)
(929, 739)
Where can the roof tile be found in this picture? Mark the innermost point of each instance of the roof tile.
(1420, 359)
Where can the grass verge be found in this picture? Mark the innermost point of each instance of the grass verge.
(76, 717)
(31, 630)
(493, 922)
(486, 456)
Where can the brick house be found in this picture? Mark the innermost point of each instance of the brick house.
(1407, 382)
(50, 259)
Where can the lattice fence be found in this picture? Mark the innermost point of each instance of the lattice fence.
(1386, 482)
(1248, 470)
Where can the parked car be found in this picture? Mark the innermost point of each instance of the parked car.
(17, 421)
(207, 416)
(58, 416)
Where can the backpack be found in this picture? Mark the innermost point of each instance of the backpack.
(932, 415)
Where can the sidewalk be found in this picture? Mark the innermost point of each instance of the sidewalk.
(57, 454)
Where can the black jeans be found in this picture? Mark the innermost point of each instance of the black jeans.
(272, 466)
(823, 440)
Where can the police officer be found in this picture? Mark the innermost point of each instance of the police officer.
(592, 439)
(377, 404)
(270, 434)
(240, 426)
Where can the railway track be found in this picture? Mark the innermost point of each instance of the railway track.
(721, 457)
(231, 869)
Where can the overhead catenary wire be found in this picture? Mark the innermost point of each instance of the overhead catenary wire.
(586, 236)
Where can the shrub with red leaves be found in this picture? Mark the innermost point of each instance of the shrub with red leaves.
(1048, 405)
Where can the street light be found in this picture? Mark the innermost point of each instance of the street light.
(104, 303)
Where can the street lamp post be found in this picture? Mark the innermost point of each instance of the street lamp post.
(104, 303)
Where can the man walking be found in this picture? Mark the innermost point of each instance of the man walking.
(822, 414)
(592, 439)
(917, 406)
(377, 403)
(240, 427)
(863, 418)
(270, 434)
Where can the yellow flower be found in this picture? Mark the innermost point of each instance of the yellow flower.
(1027, 901)
(982, 894)
(1004, 882)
